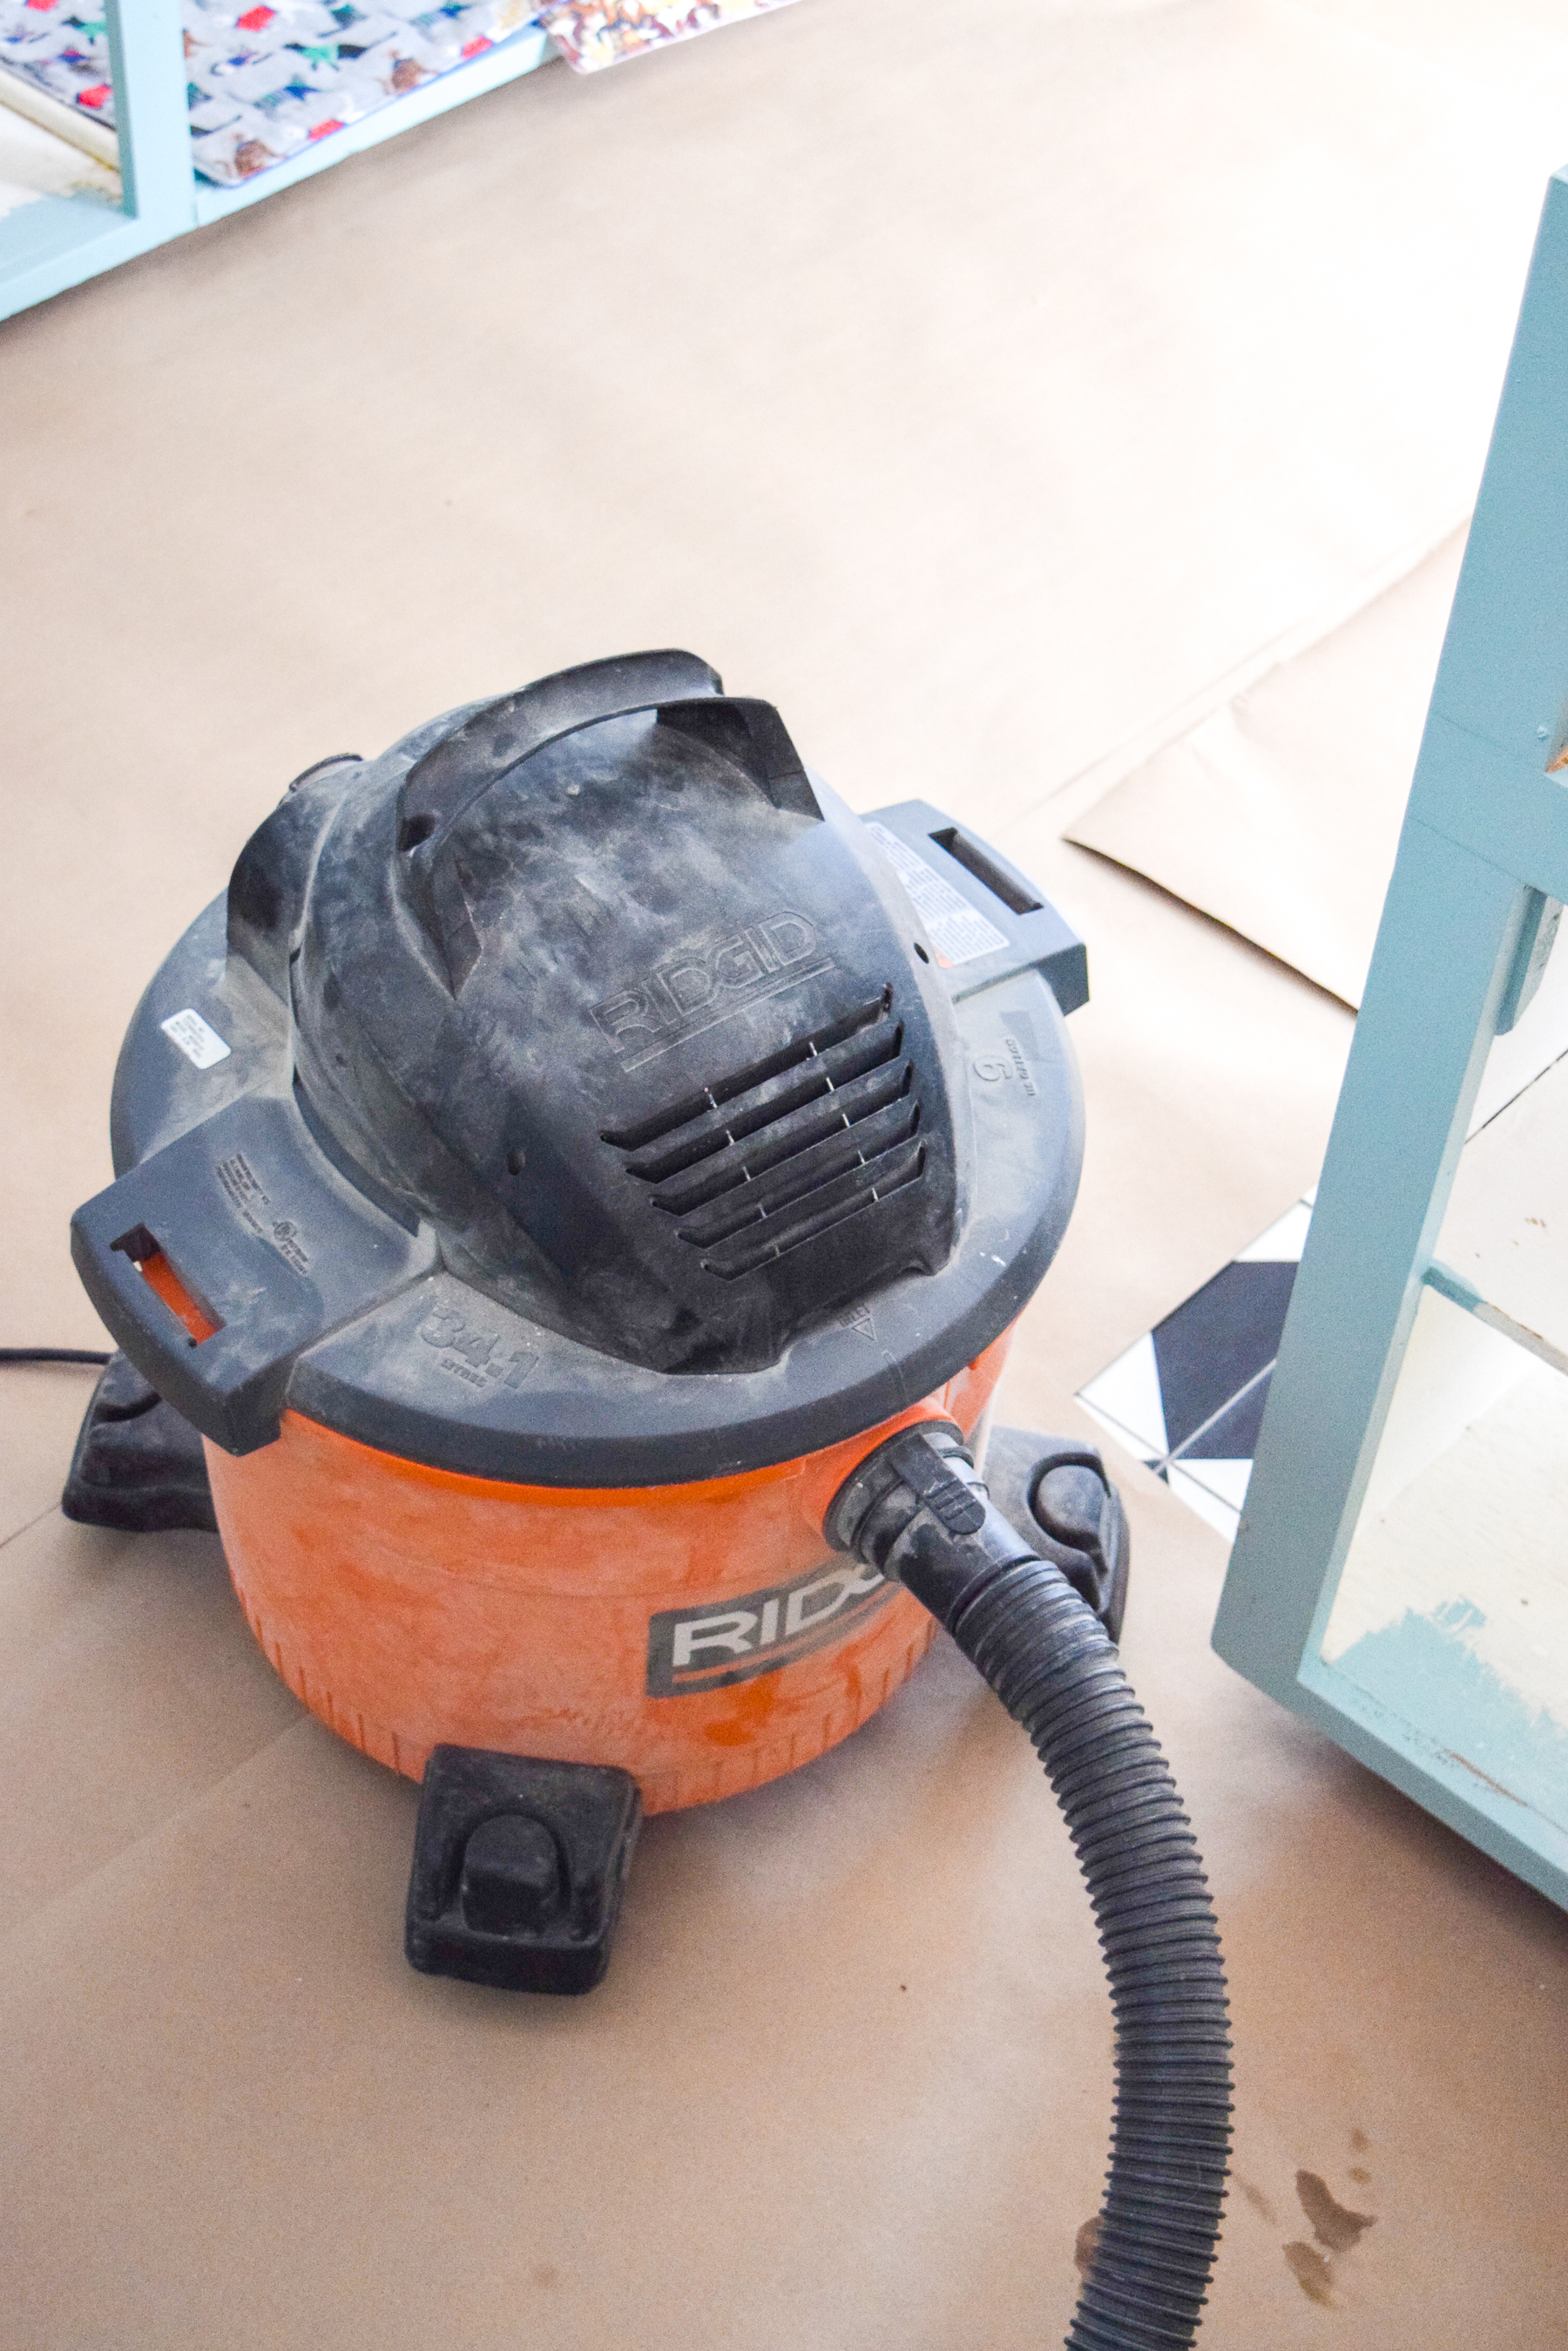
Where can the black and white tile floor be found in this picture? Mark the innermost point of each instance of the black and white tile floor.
(1187, 1399)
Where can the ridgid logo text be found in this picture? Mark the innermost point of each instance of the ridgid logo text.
(706, 980)
(732, 1640)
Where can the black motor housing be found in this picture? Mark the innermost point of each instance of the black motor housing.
(612, 996)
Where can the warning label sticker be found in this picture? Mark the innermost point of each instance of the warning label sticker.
(958, 931)
(243, 1189)
(198, 1042)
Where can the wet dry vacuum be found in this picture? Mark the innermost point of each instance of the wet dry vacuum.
(580, 1184)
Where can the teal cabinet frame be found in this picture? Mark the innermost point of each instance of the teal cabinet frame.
(1485, 840)
(57, 241)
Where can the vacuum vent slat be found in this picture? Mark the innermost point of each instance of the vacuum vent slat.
(768, 1156)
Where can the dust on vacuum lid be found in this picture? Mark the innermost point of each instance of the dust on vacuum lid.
(598, 987)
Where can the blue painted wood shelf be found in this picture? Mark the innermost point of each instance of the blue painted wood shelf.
(1393, 1419)
(57, 241)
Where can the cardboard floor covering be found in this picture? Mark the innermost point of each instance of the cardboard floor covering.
(981, 406)
(1279, 814)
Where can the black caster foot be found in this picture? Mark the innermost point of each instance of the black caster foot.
(1054, 1491)
(519, 1869)
(137, 1466)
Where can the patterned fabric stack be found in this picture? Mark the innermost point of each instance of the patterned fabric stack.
(265, 80)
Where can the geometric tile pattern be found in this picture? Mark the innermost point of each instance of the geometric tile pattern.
(1187, 1399)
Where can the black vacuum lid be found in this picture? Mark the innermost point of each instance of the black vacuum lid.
(580, 1094)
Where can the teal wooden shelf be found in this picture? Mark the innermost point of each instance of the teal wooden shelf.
(1400, 1577)
(57, 241)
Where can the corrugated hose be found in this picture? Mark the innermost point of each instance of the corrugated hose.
(917, 1509)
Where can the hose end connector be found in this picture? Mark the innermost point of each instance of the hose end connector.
(917, 1511)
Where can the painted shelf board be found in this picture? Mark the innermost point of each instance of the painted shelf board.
(1452, 1604)
(67, 122)
(1523, 1052)
(1506, 1228)
(35, 163)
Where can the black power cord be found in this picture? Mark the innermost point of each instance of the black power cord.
(52, 1355)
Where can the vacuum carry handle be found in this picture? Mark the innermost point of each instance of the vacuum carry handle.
(495, 742)
(216, 1261)
(161, 1319)
(684, 690)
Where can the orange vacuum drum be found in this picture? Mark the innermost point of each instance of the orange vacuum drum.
(572, 1199)
(703, 1638)
(575, 1141)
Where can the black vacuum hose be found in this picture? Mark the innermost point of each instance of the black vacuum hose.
(917, 1509)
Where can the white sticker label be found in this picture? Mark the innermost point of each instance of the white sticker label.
(195, 1039)
(958, 932)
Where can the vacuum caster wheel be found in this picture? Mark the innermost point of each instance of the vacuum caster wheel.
(519, 1869)
(138, 1465)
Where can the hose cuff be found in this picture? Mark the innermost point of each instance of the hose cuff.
(917, 1511)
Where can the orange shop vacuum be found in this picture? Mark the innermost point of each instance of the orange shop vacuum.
(580, 1184)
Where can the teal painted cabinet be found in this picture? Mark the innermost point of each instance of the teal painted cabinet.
(1400, 1577)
